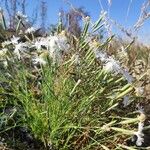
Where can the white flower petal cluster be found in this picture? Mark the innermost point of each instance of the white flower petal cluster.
(21, 15)
(76, 59)
(140, 134)
(39, 60)
(58, 42)
(126, 101)
(139, 90)
(111, 65)
(20, 47)
(100, 55)
(39, 42)
(30, 30)
(126, 75)
(57, 45)
(14, 40)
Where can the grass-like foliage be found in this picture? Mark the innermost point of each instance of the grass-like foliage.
(66, 92)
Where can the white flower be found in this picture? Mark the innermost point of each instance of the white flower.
(62, 44)
(39, 60)
(87, 18)
(127, 76)
(14, 40)
(53, 42)
(38, 45)
(58, 42)
(112, 65)
(40, 42)
(101, 56)
(20, 47)
(140, 134)
(57, 47)
(30, 30)
(77, 59)
(21, 15)
(126, 101)
(54, 48)
(139, 90)
(140, 139)
(140, 127)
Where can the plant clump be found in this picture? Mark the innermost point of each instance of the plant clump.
(67, 92)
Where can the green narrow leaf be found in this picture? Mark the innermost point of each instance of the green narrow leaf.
(85, 29)
(97, 23)
(2, 20)
(130, 120)
(126, 147)
(98, 28)
(124, 131)
(104, 147)
(18, 25)
(125, 92)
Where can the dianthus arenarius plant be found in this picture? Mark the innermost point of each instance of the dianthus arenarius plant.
(65, 90)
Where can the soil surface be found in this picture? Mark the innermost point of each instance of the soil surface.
(20, 139)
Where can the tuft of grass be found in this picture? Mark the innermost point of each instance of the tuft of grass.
(67, 105)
